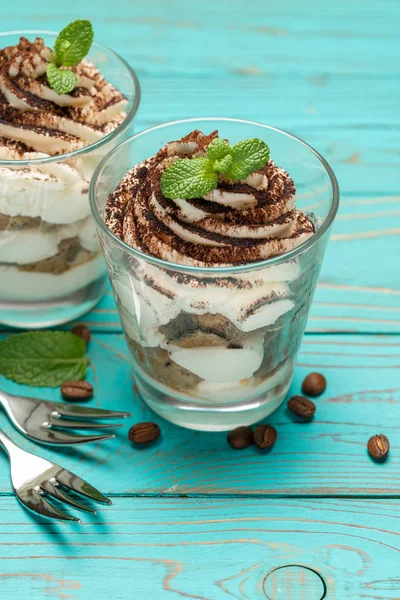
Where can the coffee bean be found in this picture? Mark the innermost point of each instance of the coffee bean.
(301, 407)
(144, 433)
(378, 446)
(314, 384)
(265, 436)
(241, 437)
(82, 331)
(77, 390)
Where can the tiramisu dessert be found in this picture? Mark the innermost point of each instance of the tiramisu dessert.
(207, 335)
(50, 106)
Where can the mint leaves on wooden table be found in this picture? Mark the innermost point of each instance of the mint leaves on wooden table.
(43, 358)
(195, 177)
(70, 47)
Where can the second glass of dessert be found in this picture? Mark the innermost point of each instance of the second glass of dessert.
(213, 231)
(51, 140)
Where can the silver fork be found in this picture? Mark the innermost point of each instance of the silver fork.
(46, 422)
(33, 478)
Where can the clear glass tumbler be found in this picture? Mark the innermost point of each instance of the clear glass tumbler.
(51, 268)
(234, 375)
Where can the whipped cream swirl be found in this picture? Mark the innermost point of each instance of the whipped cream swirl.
(237, 223)
(34, 114)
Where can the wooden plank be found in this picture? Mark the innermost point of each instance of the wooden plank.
(294, 101)
(325, 457)
(351, 38)
(204, 548)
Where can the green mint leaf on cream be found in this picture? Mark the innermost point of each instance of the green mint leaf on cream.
(196, 177)
(73, 43)
(189, 178)
(248, 156)
(222, 165)
(43, 358)
(218, 149)
(62, 81)
(70, 47)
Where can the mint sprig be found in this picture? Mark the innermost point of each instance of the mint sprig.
(61, 81)
(43, 358)
(191, 178)
(71, 46)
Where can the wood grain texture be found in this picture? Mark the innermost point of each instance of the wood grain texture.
(292, 582)
(325, 457)
(286, 37)
(207, 549)
(328, 72)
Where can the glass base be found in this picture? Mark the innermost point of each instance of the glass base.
(46, 313)
(207, 416)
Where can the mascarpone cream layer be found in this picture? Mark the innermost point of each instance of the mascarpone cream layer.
(156, 297)
(36, 244)
(24, 285)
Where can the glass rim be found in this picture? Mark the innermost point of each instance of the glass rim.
(95, 145)
(272, 261)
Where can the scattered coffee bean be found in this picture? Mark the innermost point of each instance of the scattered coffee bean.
(77, 390)
(241, 437)
(144, 433)
(265, 436)
(301, 407)
(378, 446)
(314, 384)
(82, 331)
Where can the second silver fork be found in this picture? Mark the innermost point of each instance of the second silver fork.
(37, 481)
(51, 423)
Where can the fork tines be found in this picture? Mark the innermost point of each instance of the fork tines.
(53, 486)
(74, 410)
(67, 416)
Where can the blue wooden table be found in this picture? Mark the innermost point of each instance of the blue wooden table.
(191, 518)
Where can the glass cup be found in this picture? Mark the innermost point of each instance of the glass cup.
(195, 362)
(51, 268)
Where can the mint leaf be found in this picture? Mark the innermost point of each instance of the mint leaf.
(43, 358)
(61, 81)
(189, 178)
(218, 149)
(70, 47)
(223, 164)
(73, 43)
(248, 156)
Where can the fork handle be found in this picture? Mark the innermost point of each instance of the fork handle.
(4, 396)
(5, 399)
(7, 443)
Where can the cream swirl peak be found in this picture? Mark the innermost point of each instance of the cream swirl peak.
(33, 113)
(238, 222)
